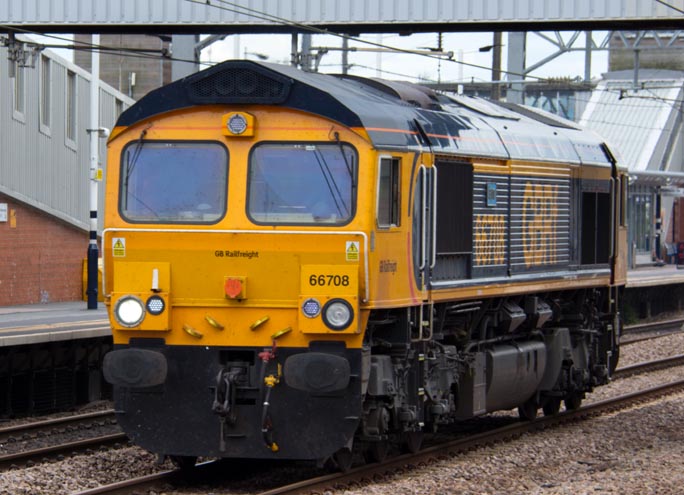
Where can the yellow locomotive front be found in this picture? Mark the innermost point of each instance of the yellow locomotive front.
(237, 266)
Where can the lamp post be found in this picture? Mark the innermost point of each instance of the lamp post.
(94, 176)
(495, 48)
(496, 67)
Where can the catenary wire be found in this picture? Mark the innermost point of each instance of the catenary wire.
(676, 9)
(269, 17)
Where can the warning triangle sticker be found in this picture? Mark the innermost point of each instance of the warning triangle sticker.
(119, 247)
(352, 251)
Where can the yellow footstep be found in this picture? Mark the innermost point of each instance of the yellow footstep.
(280, 333)
(213, 322)
(191, 331)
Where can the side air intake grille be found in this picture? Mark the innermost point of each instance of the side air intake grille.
(240, 85)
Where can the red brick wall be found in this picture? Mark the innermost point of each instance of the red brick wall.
(40, 257)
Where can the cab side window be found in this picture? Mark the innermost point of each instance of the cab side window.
(388, 204)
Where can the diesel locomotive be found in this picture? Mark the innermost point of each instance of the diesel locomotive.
(303, 266)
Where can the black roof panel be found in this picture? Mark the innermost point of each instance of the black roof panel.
(394, 114)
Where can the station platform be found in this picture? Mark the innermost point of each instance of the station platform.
(652, 275)
(40, 323)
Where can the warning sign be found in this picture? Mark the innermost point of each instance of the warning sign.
(119, 246)
(352, 251)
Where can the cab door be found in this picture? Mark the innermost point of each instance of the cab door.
(619, 251)
(424, 247)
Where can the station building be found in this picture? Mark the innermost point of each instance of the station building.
(134, 64)
(643, 122)
(44, 175)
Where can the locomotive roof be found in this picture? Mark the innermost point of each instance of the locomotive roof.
(394, 114)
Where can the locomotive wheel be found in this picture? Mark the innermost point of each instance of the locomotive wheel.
(376, 451)
(184, 462)
(551, 406)
(411, 441)
(528, 410)
(573, 401)
(342, 460)
(615, 359)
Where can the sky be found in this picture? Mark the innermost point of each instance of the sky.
(465, 47)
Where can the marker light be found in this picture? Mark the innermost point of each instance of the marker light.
(311, 308)
(155, 305)
(337, 314)
(129, 311)
(237, 124)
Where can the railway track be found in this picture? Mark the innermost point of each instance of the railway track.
(234, 470)
(640, 332)
(67, 425)
(27, 457)
(659, 364)
(137, 485)
(176, 477)
(34, 428)
(371, 473)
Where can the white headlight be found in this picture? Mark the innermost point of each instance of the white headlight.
(337, 314)
(129, 311)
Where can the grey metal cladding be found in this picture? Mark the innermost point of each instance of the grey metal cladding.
(41, 166)
(268, 12)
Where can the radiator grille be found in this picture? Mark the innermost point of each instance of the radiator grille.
(236, 85)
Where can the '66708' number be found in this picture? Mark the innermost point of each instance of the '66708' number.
(329, 280)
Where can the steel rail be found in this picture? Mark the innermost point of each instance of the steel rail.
(659, 364)
(133, 485)
(151, 482)
(8, 460)
(9, 432)
(653, 325)
(667, 326)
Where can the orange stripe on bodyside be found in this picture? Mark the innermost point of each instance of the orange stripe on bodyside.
(397, 131)
(218, 128)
